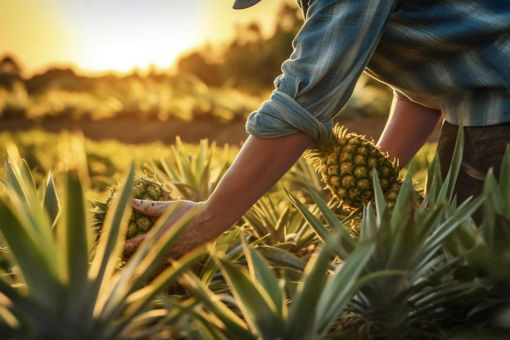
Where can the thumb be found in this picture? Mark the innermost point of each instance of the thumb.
(152, 208)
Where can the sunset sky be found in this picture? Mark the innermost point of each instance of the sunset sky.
(100, 35)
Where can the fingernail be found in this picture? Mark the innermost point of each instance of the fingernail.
(137, 202)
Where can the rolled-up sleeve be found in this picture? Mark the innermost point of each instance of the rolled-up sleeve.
(330, 52)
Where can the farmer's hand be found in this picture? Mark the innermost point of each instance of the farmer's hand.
(260, 163)
(156, 209)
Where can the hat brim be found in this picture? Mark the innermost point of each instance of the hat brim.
(243, 4)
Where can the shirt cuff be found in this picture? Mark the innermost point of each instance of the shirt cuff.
(282, 116)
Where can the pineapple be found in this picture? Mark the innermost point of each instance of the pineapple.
(392, 193)
(346, 163)
(143, 188)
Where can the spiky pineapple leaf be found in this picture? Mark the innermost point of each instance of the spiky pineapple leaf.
(23, 195)
(449, 225)
(109, 247)
(341, 287)
(257, 310)
(38, 274)
(31, 311)
(261, 273)
(318, 226)
(139, 300)
(282, 257)
(380, 201)
(50, 199)
(73, 240)
(447, 190)
(299, 323)
(233, 325)
(368, 225)
(146, 260)
(405, 203)
(347, 242)
(27, 231)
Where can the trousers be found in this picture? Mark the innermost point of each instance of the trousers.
(484, 148)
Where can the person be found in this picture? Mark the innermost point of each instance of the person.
(445, 60)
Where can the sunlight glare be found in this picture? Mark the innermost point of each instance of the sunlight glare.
(134, 50)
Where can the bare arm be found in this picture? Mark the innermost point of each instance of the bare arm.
(407, 129)
(259, 165)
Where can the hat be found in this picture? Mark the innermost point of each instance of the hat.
(242, 4)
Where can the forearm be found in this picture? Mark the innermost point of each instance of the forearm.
(407, 129)
(258, 166)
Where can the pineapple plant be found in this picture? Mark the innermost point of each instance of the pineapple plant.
(193, 172)
(58, 284)
(346, 163)
(262, 306)
(414, 290)
(143, 188)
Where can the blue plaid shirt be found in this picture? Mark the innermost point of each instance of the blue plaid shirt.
(449, 55)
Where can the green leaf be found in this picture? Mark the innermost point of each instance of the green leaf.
(455, 220)
(340, 288)
(158, 243)
(380, 202)
(12, 179)
(448, 188)
(29, 211)
(255, 308)
(42, 319)
(368, 226)
(50, 199)
(234, 326)
(282, 257)
(146, 260)
(346, 241)
(345, 244)
(140, 299)
(317, 225)
(28, 179)
(405, 203)
(261, 273)
(27, 230)
(41, 277)
(110, 245)
(301, 323)
(433, 183)
(73, 240)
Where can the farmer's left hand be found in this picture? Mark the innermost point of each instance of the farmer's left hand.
(189, 239)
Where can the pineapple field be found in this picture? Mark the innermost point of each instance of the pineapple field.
(335, 250)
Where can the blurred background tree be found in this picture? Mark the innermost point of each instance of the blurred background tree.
(250, 61)
(10, 72)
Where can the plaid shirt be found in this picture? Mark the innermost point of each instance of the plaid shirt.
(450, 55)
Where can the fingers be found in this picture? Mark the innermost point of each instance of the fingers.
(131, 245)
(156, 209)
(152, 208)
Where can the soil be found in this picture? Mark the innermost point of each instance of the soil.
(136, 131)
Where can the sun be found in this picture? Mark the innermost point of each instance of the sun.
(110, 36)
(128, 50)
